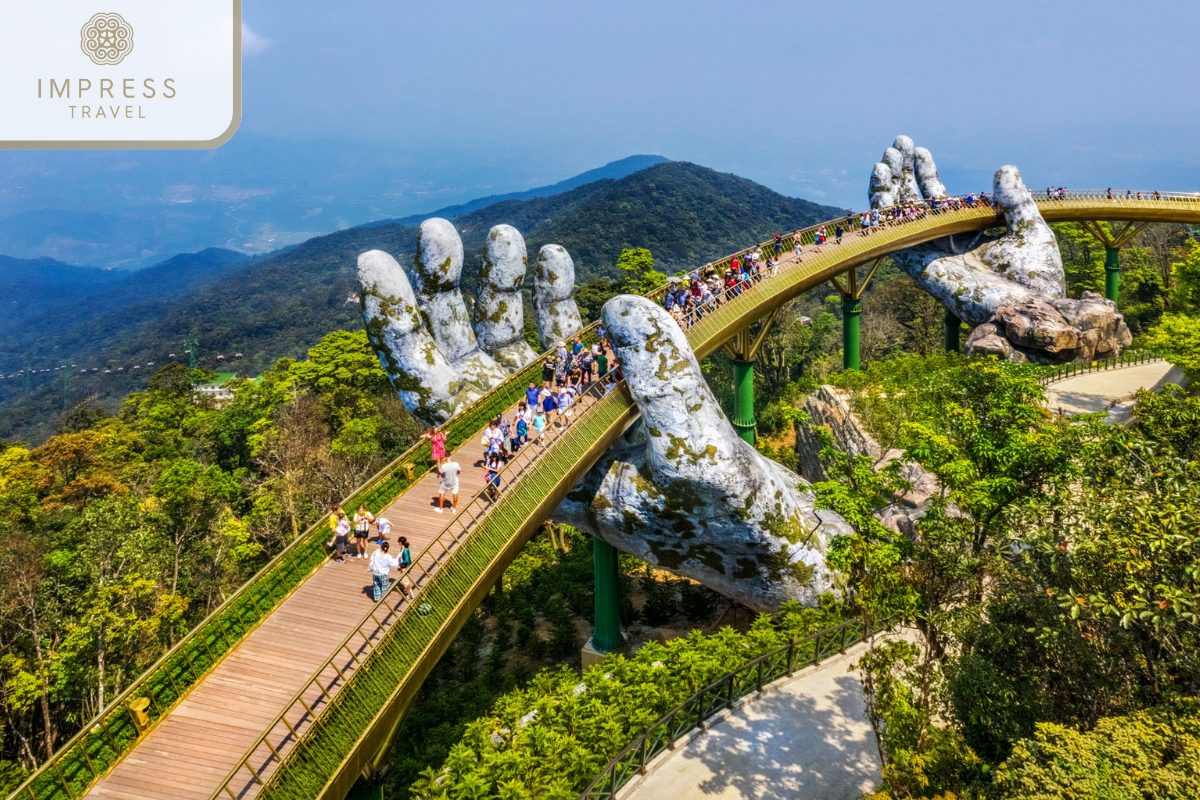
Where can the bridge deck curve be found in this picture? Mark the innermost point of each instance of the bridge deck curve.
(225, 726)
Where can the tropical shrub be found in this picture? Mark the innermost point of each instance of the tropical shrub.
(550, 738)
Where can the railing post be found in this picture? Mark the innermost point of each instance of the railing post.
(645, 747)
(817, 650)
(791, 655)
(842, 648)
(760, 677)
(729, 693)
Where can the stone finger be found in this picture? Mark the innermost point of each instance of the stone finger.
(1028, 252)
(553, 301)
(437, 268)
(427, 383)
(927, 176)
(908, 189)
(499, 315)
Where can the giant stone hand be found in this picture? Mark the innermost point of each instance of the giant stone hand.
(1012, 286)
(437, 360)
(684, 492)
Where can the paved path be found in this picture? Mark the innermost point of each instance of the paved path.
(1099, 391)
(806, 737)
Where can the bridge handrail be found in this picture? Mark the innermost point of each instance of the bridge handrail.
(721, 694)
(441, 553)
(112, 732)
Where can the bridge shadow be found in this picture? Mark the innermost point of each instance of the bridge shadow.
(785, 744)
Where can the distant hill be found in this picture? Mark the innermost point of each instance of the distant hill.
(281, 304)
(26, 286)
(613, 170)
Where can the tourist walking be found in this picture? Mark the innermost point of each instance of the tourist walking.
(492, 477)
(837, 233)
(548, 371)
(522, 436)
(362, 530)
(797, 240)
(448, 485)
(341, 538)
(549, 404)
(384, 526)
(382, 565)
(531, 394)
(539, 425)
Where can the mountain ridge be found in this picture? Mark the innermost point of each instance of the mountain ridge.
(279, 305)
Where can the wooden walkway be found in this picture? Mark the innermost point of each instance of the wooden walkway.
(190, 752)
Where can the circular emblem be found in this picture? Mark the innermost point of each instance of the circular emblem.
(106, 38)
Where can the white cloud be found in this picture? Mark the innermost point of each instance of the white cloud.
(252, 43)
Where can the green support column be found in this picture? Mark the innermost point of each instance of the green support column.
(607, 637)
(743, 399)
(851, 310)
(1112, 273)
(953, 327)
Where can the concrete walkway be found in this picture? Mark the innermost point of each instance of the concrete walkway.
(804, 737)
(1100, 391)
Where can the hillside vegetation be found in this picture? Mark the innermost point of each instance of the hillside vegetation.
(280, 305)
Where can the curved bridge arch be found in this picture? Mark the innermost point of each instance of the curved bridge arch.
(340, 721)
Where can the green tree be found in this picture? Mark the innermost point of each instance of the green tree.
(1185, 279)
(1177, 339)
(635, 266)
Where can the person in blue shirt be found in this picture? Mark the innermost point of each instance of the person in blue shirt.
(531, 395)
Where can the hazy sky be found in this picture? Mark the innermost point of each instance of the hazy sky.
(800, 96)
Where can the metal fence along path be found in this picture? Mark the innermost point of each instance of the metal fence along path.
(325, 722)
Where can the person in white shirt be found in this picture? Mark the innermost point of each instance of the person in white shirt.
(381, 565)
(385, 527)
(448, 485)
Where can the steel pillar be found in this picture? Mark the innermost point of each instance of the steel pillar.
(851, 310)
(1112, 273)
(953, 329)
(743, 399)
(607, 636)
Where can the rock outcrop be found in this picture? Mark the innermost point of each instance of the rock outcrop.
(685, 493)
(830, 407)
(1020, 272)
(1052, 332)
